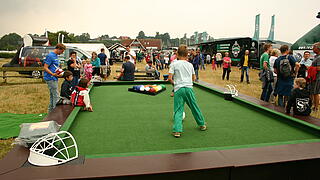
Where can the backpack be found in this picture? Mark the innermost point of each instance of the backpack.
(285, 67)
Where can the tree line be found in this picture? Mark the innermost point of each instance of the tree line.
(13, 41)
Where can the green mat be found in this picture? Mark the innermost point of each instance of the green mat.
(9, 123)
(133, 123)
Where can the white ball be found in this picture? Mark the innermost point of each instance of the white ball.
(142, 88)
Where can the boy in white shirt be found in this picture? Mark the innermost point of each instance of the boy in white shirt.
(183, 74)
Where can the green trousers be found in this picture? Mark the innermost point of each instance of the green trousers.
(182, 96)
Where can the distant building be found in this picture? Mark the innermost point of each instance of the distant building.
(124, 37)
(143, 44)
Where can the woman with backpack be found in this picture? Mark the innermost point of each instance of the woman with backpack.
(286, 67)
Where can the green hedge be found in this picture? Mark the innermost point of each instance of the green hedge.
(7, 55)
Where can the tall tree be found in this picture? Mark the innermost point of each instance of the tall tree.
(104, 37)
(84, 37)
(141, 35)
(10, 42)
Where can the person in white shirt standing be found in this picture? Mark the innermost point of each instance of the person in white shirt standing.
(182, 75)
(208, 58)
(273, 56)
(132, 55)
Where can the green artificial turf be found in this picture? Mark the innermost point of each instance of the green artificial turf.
(128, 123)
(10, 123)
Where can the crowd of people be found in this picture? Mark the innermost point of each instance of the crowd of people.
(289, 82)
(283, 76)
(286, 82)
(77, 77)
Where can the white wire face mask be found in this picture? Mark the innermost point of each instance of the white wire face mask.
(53, 149)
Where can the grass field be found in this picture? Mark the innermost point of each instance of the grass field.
(24, 96)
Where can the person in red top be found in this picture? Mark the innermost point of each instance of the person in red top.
(174, 56)
(226, 66)
(80, 96)
(148, 58)
(214, 65)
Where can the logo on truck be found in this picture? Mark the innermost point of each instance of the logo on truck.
(235, 49)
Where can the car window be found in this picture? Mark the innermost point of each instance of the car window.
(34, 53)
(81, 55)
(32, 56)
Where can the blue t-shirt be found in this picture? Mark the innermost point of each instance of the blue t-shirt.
(102, 57)
(53, 63)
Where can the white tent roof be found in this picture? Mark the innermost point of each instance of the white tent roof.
(90, 47)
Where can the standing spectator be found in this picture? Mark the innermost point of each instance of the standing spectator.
(51, 64)
(132, 55)
(191, 55)
(274, 55)
(315, 85)
(174, 56)
(158, 63)
(74, 66)
(202, 61)
(226, 66)
(161, 56)
(208, 59)
(95, 61)
(195, 63)
(285, 67)
(153, 57)
(264, 59)
(166, 62)
(265, 67)
(244, 65)
(305, 63)
(219, 59)
(139, 56)
(103, 63)
(214, 63)
(148, 58)
(88, 69)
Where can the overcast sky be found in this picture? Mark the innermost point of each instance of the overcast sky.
(223, 18)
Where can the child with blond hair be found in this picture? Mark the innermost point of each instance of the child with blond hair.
(88, 69)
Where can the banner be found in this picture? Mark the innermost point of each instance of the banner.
(257, 28)
(271, 33)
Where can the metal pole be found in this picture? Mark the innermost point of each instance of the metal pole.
(59, 38)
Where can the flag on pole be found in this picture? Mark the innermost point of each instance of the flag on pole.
(271, 33)
(257, 28)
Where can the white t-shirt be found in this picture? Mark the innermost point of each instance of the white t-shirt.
(182, 74)
(166, 60)
(208, 58)
(133, 54)
(218, 57)
(272, 59)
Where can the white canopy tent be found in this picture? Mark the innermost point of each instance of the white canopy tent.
(90, 47)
